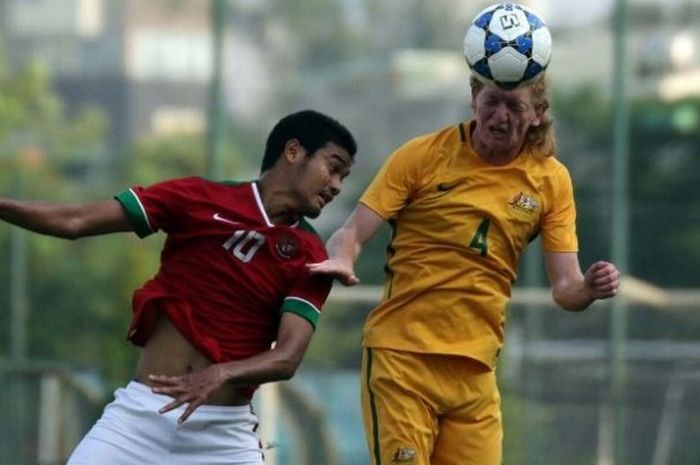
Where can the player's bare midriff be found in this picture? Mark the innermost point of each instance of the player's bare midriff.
(168, 353)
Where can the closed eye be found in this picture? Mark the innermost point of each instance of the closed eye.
(337, 166)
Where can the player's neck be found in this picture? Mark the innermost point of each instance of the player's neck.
(496, 158)
(284, 219)
(276, 202)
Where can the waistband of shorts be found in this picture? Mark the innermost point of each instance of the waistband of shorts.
(144, 394)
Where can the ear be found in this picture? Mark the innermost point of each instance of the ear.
(472, 103)
(537, 118)
(293, 151)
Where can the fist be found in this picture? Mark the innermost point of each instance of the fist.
(602, 280)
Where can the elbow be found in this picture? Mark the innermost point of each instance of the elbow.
(70, 234)
(570, 307)
(286, 369)
(286, 375)
(287, 366)
(74, 228)
(575, 303)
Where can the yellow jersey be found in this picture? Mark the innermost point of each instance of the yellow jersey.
(459, 226)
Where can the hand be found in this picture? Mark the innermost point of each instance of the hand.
(192, 389)
(335, 269)
(602, 280)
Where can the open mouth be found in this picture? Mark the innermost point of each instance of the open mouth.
(498, 131)
(324, 200)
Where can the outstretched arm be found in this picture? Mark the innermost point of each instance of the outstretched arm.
(68, 221)
(573, 290)
(278, 363)
(346, 243)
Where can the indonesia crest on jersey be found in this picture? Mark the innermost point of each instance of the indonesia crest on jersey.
(227, 273)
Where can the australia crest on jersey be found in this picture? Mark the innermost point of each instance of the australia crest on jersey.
(404, 456)
(524, 204)
(287, 246)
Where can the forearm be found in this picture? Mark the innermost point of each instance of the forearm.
(68, 221)
(273, 365)
(346, 243)
(344, 246)
(41, 217)
(574, 290)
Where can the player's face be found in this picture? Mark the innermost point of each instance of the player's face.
(502, 120)
(320, 178)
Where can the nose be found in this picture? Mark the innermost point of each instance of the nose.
(500, 111)
(336, 185)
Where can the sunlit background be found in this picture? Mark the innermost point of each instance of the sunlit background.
(98, 95)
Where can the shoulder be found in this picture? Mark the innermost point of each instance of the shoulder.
(232, 183)
(549, 167)
(305, 226)
(226, 188)
(186, 181)
(428, 150)
(553, 177)
(448, 136)
(313, 241)
(309, 233)
(558, 170)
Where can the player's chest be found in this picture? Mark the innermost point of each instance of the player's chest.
(510, 206)
(510, 195)
(242, 238)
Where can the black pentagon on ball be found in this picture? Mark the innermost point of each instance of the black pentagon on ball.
(532, 70)
(523, 44)
(482, 68)
(493, 43)
(535, 22)
(484, 20)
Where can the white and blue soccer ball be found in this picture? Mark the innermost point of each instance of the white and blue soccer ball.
(507, 45)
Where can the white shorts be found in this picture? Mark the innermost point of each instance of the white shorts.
(132, 432)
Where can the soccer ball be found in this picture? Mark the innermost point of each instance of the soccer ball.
(507, 45)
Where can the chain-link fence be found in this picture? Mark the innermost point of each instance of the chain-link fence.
(555, 381)
(45, 410)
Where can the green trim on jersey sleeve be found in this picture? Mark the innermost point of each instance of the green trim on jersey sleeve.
(231, 182)
(135, 212)
(302, 308)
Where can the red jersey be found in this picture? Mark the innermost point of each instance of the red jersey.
(227, 273)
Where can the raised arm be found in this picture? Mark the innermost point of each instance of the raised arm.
(68, 221)
(575, 291)
(346, 243)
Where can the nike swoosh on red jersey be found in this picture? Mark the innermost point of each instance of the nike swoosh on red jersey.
(218, 217)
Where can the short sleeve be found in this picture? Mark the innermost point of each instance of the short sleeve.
(397, 179)
(308, 293)
(559, 224)
(307, 297)
(161, 206)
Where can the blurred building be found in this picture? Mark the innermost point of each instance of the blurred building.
(663, 44)
(147, 63)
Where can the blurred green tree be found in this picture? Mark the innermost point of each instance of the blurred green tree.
(39, 140)
(80, 292)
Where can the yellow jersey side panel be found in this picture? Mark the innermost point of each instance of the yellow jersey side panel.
(460, 226)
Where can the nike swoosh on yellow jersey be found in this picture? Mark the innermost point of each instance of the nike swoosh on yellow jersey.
(446, 186)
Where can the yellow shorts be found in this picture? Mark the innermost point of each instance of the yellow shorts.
(422, 409)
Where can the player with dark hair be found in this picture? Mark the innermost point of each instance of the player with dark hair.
(232, 281)
(463, 204)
